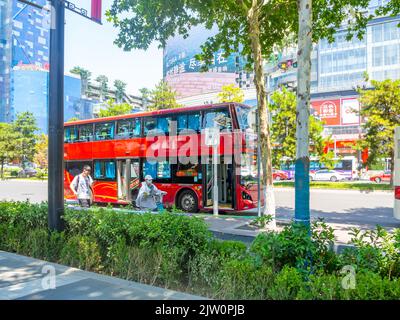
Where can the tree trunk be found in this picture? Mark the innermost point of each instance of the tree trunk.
(302, 166)
(265, 140)
(2, 169)
(392, 169)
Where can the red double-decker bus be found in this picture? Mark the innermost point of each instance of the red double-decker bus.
(170, 146)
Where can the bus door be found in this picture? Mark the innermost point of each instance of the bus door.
(226, 184)
(128, 179)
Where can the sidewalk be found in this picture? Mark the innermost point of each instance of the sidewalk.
(23, 278)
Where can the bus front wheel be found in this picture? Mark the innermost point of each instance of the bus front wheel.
(187, 201)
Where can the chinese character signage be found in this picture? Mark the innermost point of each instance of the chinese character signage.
(337, 112)
(179, 54)
(327, 110)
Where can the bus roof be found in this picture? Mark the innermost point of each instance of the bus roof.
(153, 113)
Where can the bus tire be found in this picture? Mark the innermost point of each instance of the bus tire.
(187, 201)
(378, 180)
(333, 179)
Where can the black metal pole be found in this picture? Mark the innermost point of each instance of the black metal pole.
(56, 117)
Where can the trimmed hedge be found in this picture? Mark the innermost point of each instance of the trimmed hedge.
(178, 252)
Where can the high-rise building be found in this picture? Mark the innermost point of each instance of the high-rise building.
(30, 88)
(5, 57)
(30, 35)
(24, 40)
(183, 72)
(24, 48)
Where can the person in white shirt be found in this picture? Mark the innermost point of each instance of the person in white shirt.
(81, 186)
(146, 197)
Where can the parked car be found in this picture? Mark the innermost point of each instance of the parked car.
(327, 175)
(11, 167)
(279, 175)
(380, 177)
(27, 172)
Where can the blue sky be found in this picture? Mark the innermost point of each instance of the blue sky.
(90, 46)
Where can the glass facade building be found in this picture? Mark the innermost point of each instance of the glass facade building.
(5, 57)
(24, 64)
(30, 93)
(30, 35)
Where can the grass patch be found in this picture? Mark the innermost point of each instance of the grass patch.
(362, 186)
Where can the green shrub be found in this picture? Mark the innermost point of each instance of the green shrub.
(206, 267)
(153, 266)
(82, 252)
(374, 251)
(244, 279)
(287, 284)
(24, 214)
(294, 247)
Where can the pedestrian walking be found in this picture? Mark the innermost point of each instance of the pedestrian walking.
(81, 186)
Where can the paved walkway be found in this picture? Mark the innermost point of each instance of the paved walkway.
(23, 278)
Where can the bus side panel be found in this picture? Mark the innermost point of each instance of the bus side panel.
(78, 151)
(245, 204)
(128, 148)
(68, 194)
(173, 189)
(103, 149)
(105, 191)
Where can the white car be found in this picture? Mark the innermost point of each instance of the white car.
(327, 175)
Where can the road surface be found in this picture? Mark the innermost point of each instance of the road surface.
(363, 208)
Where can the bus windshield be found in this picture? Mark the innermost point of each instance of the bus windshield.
(246, 117)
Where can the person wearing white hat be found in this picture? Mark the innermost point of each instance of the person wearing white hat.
(146, 197)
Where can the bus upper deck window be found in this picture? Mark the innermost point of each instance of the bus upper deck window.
(189, 122)
(149, 125)
(182, 122)
(137, 128)
(218, 118)
(124, 129)
(70, 134)
(194, 122)
(104, 131)
(86, 133)
(163, 124)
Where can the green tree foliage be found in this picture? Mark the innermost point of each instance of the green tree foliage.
(115, 109)
(73, 119)
(85, 78)
(9, 145)
(103, 82)
(145, 95)
(283, 128)
(26, 125)
(231, 93)
(163, 97)
(41, 151)
(120, 88)
(381, 110)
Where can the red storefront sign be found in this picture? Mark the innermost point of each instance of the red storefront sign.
(327, 110)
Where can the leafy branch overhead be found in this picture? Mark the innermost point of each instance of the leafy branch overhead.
(143, 22)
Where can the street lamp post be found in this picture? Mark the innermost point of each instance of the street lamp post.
(56, 117)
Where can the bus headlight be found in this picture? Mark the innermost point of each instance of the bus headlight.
(246, 196)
